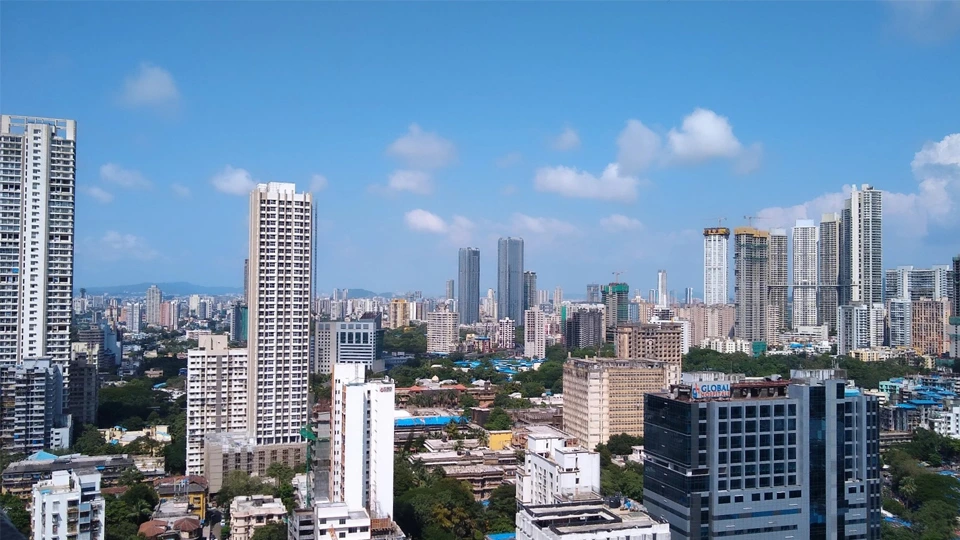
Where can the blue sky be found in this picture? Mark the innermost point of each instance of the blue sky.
(607, 135)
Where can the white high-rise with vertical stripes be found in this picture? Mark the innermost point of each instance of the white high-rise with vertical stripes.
(804, 273)
(715, 272)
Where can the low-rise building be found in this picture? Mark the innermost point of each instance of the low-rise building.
(483, 479)
(587, 519)
(192, 490)
(68, 506)
(19, 478)
(556, 468)
(249, 513)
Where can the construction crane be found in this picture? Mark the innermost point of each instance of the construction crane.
(720, 221)
(307, 433)
(616, 275)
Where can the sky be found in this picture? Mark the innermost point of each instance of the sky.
(607, 135)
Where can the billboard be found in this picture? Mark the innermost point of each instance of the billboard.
(708, 390)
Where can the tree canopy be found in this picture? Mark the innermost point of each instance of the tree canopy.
(498, 420)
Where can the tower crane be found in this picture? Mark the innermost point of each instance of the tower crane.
(616, 275)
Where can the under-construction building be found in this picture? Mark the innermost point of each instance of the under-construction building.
(750, 263)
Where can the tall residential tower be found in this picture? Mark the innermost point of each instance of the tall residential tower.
(715, 273)
(804, 273)
(468, 297)
(750, 259)
(861, 263)
(829, 279)
(510, 278)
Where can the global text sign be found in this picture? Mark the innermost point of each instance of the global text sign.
(710, 390)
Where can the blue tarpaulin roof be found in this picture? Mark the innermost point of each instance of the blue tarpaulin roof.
(427, 421)
(41, 456)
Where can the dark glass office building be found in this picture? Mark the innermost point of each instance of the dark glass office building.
(468, 294)
(510, 279)
(764, 459)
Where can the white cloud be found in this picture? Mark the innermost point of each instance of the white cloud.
(524, 224)
(570, 182)
(925, 21)
(150, 86)
(703, 135)
(318, 183)
(458, 229)
(128, 178)
(639, 147)
(98, 193)
(936, 200)
(233, 181)
(567, 140)
(180, 190)
(509, 160)
(420, 149)
(413, 181)
(116, 246)
(620, 222)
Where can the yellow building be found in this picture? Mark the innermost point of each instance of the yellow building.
(190, 489)
(498, 440)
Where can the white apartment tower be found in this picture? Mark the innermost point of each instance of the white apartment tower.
(715, 273)
(216, 394)
(67, 503)
(443, 331)
(859, 326)
(534, 334)
(506, 334)
(861, 266)
(281, 232)
(37, 186)
(134, 317)
(804, 273)
(362, 456)
(663, 294)
(153, 302)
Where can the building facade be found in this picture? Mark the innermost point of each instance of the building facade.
(530, 299)
(777, 285)
(750, 261)
(468, 297)
(281, 246)
(555, 467)
(829, 279)
(32, 407)
(152, 303)
(349, 342)
(583, 329)
(398, 314)
(604, 396)
(805, 273)
(83, 389)
(534, 334)
(912, 283)
(767, 459)
(861, 263)
(68, 506)
(506, 334)
(616, 302)
(510, 278)
(663, 341)
(859, 326)
(929, 320)
(37, 187)
(443, 331)
(217, 395)
(593, 293)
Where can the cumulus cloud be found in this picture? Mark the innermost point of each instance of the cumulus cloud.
(509, 160)
(936, 200)
(127, 178)
(639, 147)
(544, 226)
(611, 185)
(704, 134)
(568, 140)
(150, 86)
(421, 149)
(318, 183)
(233, 181)
(458, 229)
(620, 222)
(180, 190)
(98, 193)
(116, 246)
(418, 182)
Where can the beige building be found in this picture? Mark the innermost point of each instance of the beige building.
(929, 326)
(443, 331)
(662, 341)
(604, 396)
(249, 513)
(398, 315)
(715, 321)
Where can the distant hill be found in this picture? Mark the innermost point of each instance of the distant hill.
(179, 288)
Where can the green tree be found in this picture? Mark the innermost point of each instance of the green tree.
(467, 401)
(498, 420)
(237, 483)
(175, 453)
(272, 531)
(17, 513)
(90, 442)
(501, 509)
(622, 444)
(281, 473)
(130, 476)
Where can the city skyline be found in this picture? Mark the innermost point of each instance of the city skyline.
(567, 174)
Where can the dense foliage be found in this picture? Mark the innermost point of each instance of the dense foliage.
(622, 444)
(119, 405)
(410, 339)
(125, 513)
(498, 420)
(17, 512)
(271, 531)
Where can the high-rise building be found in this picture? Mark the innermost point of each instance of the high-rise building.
(134, 317)
(663, 341)
(584, 329)
(534, 334)
(510, 278)
(688, 296)
(31, 407)
(750, 262)
(714, 321)
(777, 285)
(530, 299)
(449, 290)
(238, 322)
(593, 293)
(764, 459)
(398, 315)
(217, 395)
(829, 279)
(83, 387)
(663, 296)
(354, 341)
(859, 326)
(194, 304)
(861, 262)
(37, 187)
(929, 321)
(506, 334)
(153, 301)
(715, 273)
(557, 298)
(900, 322)
(956, 286)
(912, 283)
(281, 222)
(246, 280)
(362, 472)
(805, 273)
(556, 467)
(443, 331)
(68, 503)
(604, 396)
(616, 300)
(468, 299)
